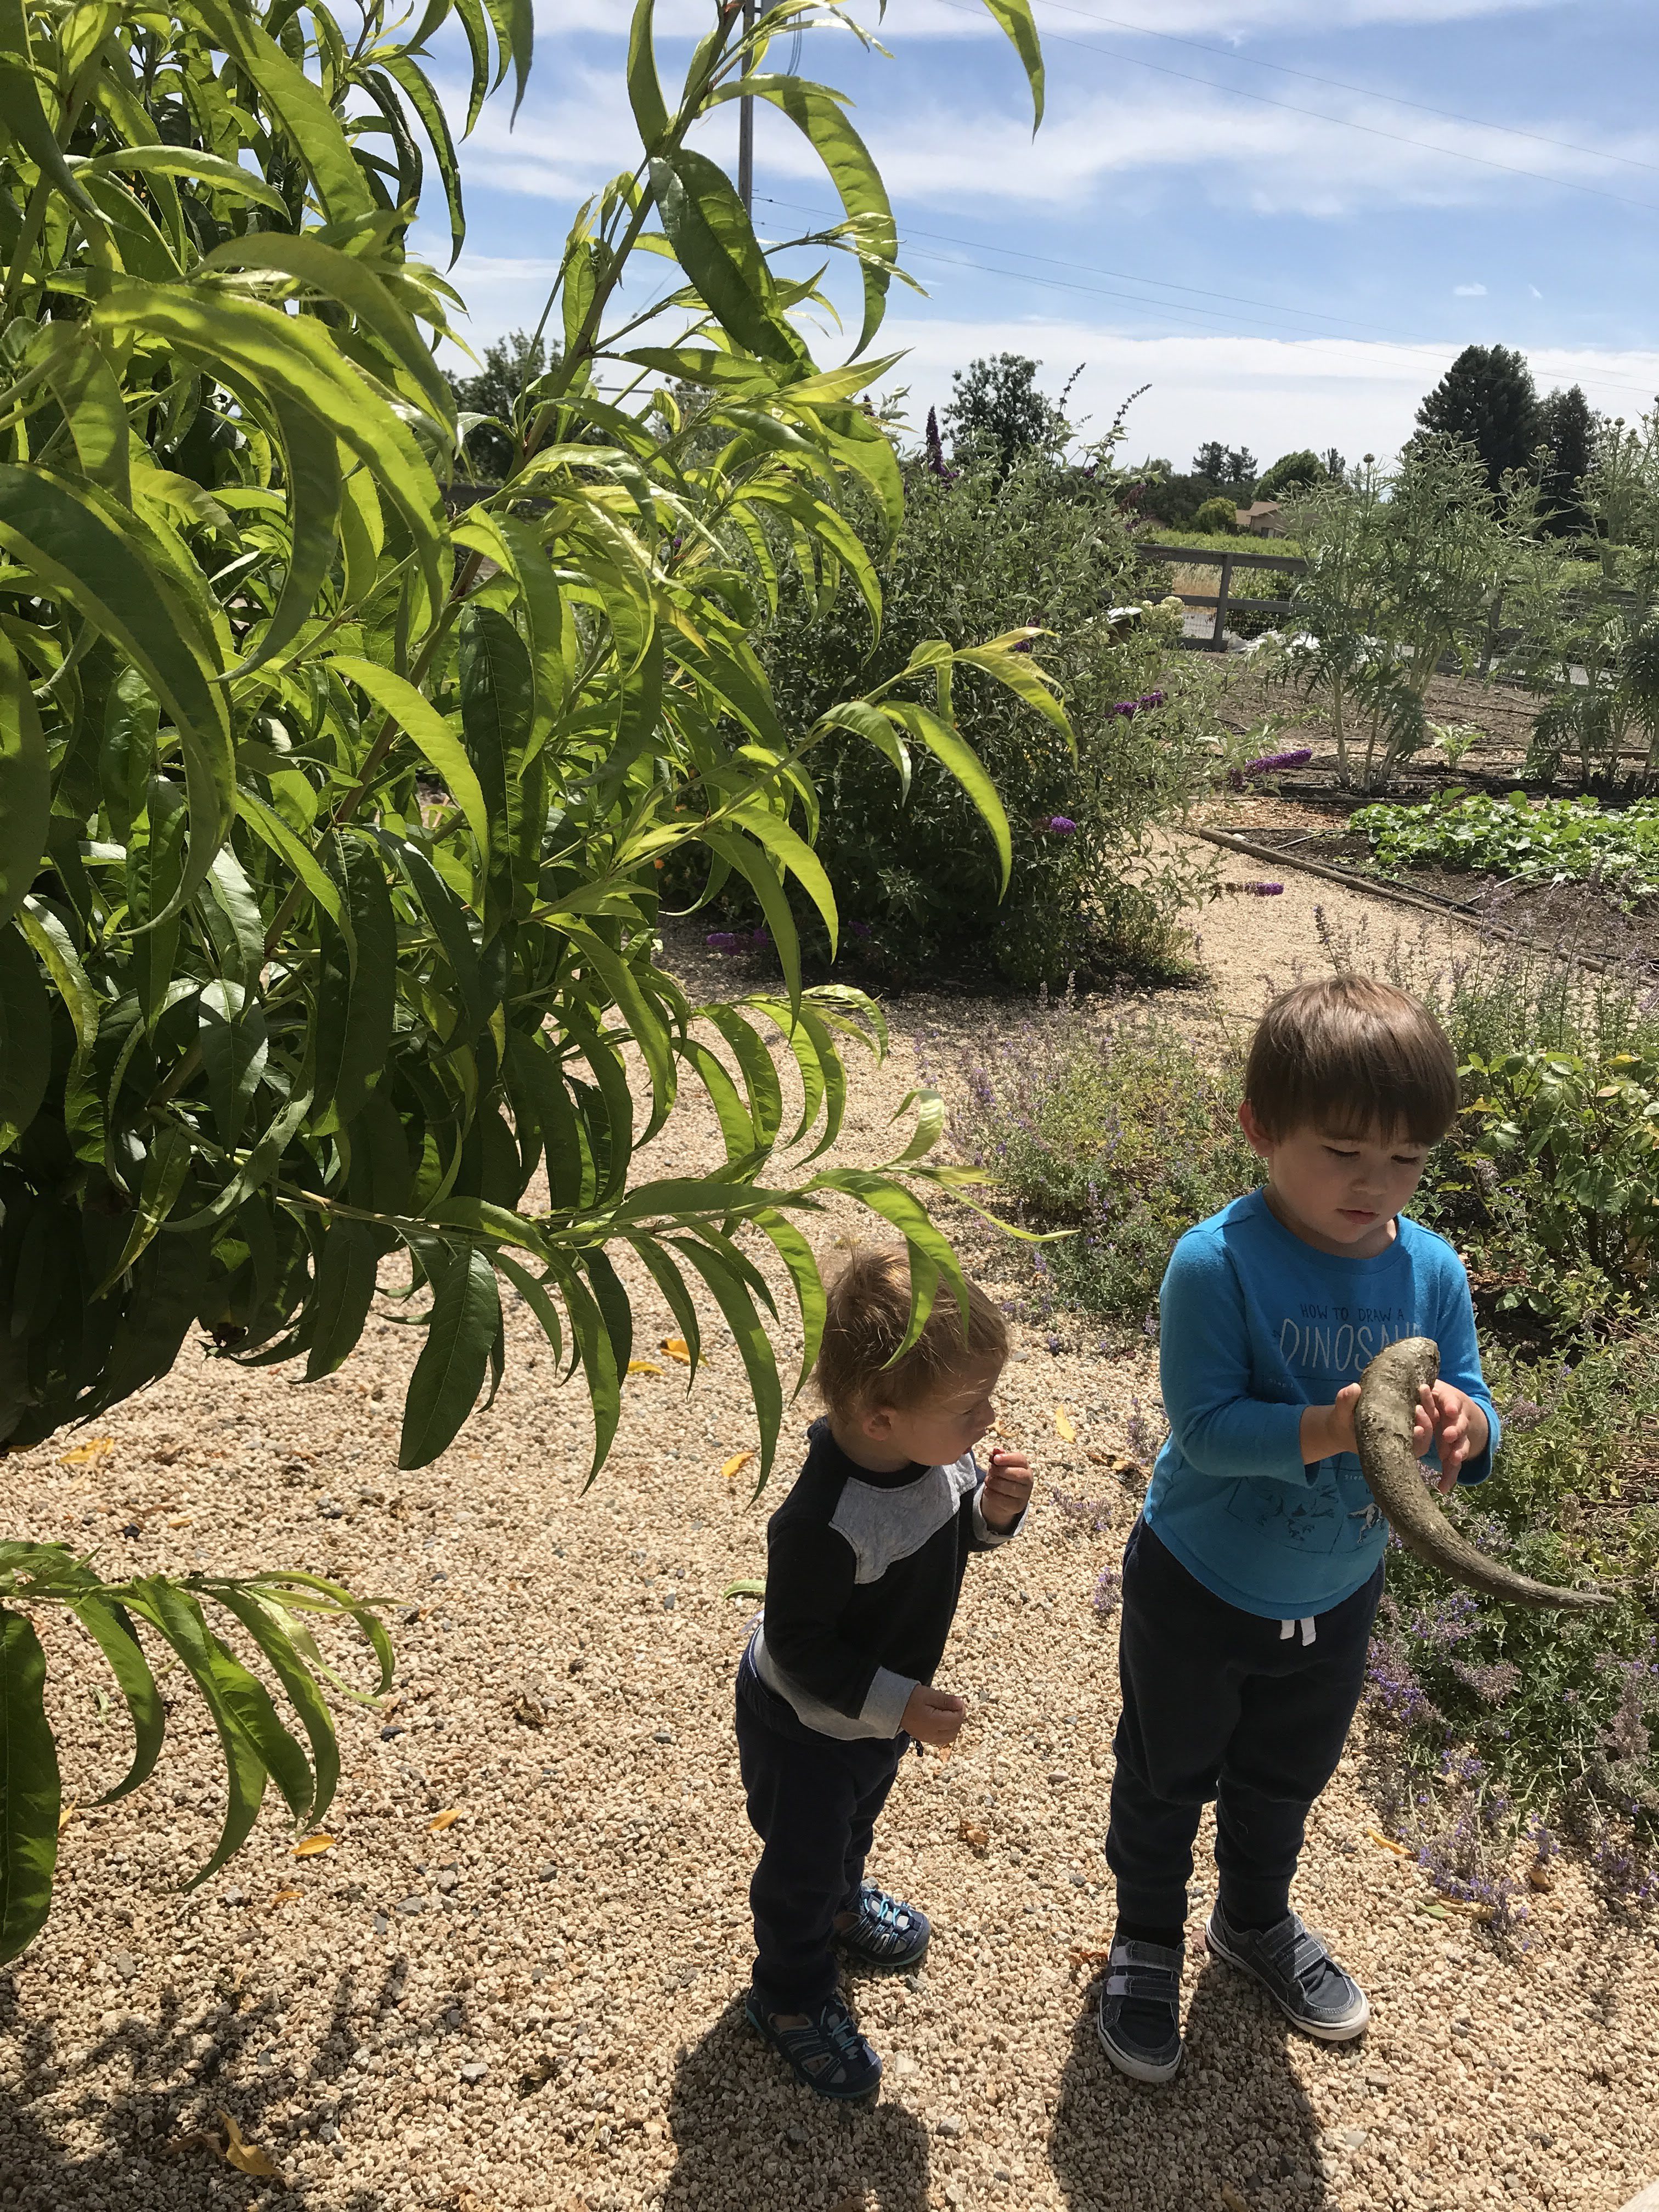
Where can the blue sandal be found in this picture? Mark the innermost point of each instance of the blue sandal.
(887, 1933)
(829, 2054)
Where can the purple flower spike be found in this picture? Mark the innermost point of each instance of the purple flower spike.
(1060, 825)
(1269, 763)
(1127, 707)
(763, 936)
(861, 928)
(723, 940)
(1264, 890)
(1152, 699)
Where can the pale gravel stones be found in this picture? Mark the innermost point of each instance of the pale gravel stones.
(558, 2024)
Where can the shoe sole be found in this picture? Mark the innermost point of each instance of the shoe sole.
(1322, 2033)
(885, 1965)
(830, 2096)
(1138, 2069)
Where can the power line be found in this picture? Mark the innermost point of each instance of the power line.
(1432, 348)
(1364, 91)
(1335, 122)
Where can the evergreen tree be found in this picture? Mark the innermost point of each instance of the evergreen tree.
(1567, 427)
(996, 400)
(1238, 466)
(1210, 460)
(1488, 400)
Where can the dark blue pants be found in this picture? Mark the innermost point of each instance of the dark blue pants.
(1218, 1704)
(813, 1802)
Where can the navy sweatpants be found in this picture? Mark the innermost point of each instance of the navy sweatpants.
(813, 1802)
(1220, 1704)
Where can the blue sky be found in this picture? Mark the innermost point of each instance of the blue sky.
(1252, 213)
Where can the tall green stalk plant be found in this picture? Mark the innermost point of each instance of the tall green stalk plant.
(330, 831)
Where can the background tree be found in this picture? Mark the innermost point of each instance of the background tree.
(511, 365)
(1217, 515)
(1290, 473)
(330, 831)
(1238, 466)
(995, 400)
(1211, 461)
(1487, 399)
(1567, 428)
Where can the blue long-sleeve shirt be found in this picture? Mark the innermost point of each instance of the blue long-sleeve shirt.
(1257, 1326)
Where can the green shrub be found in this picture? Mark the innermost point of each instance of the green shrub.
(1548, 1183)
(1117, 1128)
(914, 872)
(1218, 515)
(1492, 1722)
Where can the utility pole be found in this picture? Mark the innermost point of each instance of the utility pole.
(746, 129)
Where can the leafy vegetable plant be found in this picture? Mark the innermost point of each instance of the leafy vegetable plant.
(1556, 840)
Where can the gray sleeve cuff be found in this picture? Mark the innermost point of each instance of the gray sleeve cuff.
(883, 1710)
(982, 1528)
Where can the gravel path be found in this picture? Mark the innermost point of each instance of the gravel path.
(537, 2005)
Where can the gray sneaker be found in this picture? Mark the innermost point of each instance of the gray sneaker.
(1298, 1972)
(1140, 2018)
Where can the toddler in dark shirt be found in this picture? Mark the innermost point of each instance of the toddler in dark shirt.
(864, 1562)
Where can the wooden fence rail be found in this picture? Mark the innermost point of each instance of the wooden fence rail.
(1222, 598)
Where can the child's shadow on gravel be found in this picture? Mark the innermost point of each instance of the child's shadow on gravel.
(1235, 2115)
(752, 2139)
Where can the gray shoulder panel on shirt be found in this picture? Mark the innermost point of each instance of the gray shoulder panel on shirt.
(886, 1526)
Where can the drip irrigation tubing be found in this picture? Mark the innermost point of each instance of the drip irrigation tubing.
(1424, 901)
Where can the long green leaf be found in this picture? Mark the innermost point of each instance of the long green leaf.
(819, 114)
(30, 1792)
(964, 764)
(450, 1371)
(25, 1037)
(111, 1627)
(1017, 19)
(271, 1629)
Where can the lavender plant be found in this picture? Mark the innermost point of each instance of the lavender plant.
(1117, 1128)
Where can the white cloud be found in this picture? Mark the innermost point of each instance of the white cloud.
(1468, 291)
(1228, 20)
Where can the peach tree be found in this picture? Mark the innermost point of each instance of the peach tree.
(332, 825)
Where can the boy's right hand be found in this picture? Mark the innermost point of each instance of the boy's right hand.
(1327, 1429)
(934, 1717)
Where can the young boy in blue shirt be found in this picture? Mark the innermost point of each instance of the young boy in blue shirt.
(1251, 1579)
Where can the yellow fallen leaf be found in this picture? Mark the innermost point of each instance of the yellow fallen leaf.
(70, 1812)
(643, 1367)
(246, 2157)
(308, 1847)
(444, 1820)
(83, 1454)
(677, 1348)
(181, 1521)
(975, 1835)
(286, 1896)
(736, 1464)
(1389, 1845)
(1064, 1425)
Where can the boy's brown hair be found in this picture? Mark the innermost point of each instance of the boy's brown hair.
(868, 1313)
(1351, 1055)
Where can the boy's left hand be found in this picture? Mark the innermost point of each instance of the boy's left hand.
(1448, 1420)
(1007, 1489)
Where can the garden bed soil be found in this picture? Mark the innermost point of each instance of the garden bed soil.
(1502, 714)
(538, 2005)
(1574, 918)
